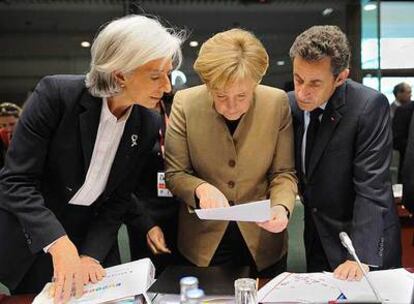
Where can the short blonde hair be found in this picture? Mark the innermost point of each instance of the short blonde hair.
(231, 55)
(125, 44)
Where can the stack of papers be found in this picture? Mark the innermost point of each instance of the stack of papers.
(249, 212)
(121, 282)
(394, 286)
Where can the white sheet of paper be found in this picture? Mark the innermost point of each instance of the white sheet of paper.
(121, 282)
(249, 212)
(393, 286)
(298, 288)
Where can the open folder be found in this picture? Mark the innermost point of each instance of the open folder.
(121, 282)
(394, 286)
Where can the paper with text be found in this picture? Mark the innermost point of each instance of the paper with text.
(394, 286)
(121, 282)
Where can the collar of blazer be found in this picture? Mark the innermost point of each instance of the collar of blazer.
(331, 117)
(130, 141)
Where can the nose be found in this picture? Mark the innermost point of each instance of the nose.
(231, 104)
(166, 86)
(301, 92)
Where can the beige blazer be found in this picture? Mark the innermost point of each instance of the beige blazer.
(256, 163)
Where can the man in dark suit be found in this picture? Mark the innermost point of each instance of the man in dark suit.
(402, 94)
(400, 129)
(408, 170)
(75, 158)
(343, 152)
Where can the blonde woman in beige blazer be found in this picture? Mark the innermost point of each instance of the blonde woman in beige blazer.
(230, 141)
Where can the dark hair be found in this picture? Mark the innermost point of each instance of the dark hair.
(399, 88)
(319, 42)
(10, 109)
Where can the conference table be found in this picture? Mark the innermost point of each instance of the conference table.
(27, 299)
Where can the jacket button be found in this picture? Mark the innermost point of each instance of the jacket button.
(232, 163)
(231, 203)
(231, 184)
(314, 210)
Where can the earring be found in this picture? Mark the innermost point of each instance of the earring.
(122, 86)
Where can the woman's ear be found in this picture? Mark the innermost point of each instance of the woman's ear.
(120, 78)
(340, 79)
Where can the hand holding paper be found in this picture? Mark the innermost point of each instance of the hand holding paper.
(67, 270)
(349, 270)
(121, 282)
(278, 221)
(210, 197)
(92, 271)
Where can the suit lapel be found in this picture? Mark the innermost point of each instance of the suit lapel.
(330, 120)
(131, 141)
(88, 124)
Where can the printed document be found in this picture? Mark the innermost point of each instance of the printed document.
(394, 286)
(121, 282)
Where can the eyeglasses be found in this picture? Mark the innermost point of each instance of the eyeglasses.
(8, 109)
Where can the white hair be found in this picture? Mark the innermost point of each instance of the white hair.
(125, 44)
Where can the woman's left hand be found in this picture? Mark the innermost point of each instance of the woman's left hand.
(278, 222)
(92, 271)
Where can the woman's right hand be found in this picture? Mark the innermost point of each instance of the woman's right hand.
(156, 241)
(67, 270)
(211, 197)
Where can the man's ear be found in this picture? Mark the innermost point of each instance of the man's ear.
(340, 79)
(120, 78)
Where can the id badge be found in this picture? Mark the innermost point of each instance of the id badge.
(161, 186)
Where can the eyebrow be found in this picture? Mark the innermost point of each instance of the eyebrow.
(316, 81)
(160, 71)
(312, 81)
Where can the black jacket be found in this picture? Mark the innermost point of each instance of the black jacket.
(408, 169)
(348, 186)
(46, 165)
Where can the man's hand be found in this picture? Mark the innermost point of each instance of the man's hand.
(278, 222)
(350, 271)
(210, 197)
(92, 270)
(67, 270)
(156, 241)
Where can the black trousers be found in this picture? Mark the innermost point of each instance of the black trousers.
(75, 219)
(316, 260)
(233, 251)
(139, 248)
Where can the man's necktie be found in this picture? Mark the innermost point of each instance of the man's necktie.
(311, 135)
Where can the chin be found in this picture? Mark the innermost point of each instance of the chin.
(306, 107)
(233, 117)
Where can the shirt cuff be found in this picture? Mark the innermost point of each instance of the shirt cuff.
(46, 249)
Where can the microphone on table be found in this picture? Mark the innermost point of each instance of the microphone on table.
(347, 243)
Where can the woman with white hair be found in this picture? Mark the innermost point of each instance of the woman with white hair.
(76, 156)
